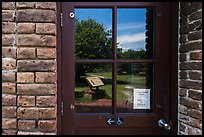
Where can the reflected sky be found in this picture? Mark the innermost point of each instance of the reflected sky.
(130, 24)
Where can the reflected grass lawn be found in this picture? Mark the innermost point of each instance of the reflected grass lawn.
(125, 83)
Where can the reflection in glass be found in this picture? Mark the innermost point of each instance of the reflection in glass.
(93, 33)
(93, 88)
(134, 33)
(129, 77)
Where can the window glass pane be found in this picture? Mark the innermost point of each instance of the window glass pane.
(93, 33)
(134, 87)
(134, 33)
(93, 88)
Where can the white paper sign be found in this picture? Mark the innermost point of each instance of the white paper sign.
(141, 99)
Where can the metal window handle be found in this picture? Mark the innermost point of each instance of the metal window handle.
(163, 123)
(72, 107)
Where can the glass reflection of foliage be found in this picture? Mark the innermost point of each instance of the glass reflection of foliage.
(92, 41)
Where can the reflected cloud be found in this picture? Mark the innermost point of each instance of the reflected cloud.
(130, 38)
(130, 26)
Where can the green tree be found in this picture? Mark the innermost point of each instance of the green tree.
(92, 41)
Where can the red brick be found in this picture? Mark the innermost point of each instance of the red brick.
(195, 36)
(8, 64)
(195, 95)
(9, 111)
(8, 99)
(36, 65)
(46, 5)
(195, 75)
(36, 89)
(46, 53)
(8, 123)
(9, 88)
(8, 76)
(47, 125)
(190, 84)
(45, 28)
(8, 52)
(26, 124)
(25, 28)
(28, 112)
(195, 113)
(45, 77)
(26, 101)
(47, 113)
(190, 103)
(7, 40)
(7, 15)
(8, 5)
(183, 74)
(190, 47)
(182, 92)
(25, 5)
(196, 55)
(26, 53)
(36, 40)
(8, 27)
(45, 101)
(25, 77)
(193, 131)
(35, 16)
(195, 16)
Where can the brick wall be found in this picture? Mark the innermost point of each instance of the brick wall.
(28, 68)
(190, 69)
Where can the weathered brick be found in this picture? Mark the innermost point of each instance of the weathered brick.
(183, 38)
(182, 127)
(8, 99)
(189, 121)
(45, 77)
(190, 84)
(195, 16)
(182, 92)
(190, 66)
(46, 53)
(47, 113)
(46, 5)
(8, 64)
(190, 47)
(193, 131)
(195, 75)
(9, 111)
(196, 55)
(25, 28)
(36, 65)
(26, 53)
(195, 95)
(183, 74)
(8, 123)
(9, 132)
(190, 27)
(36, 40)
(183, 20)
(195, 113)
(25, 5)
(26, 100)
(8, 27)
(182, 57)
(7, 40)
(25, 77)
(26, 124)
(8, 52)
(36, 89)
(8, 5)
(28, 112)
(35, 16)
(7, 15)
(45, 28)
(47, 125)
(8, 88)
(45, 101)
(182, 109)
(189, 103)
(8, 76)
(184, 4)
(195, 36)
